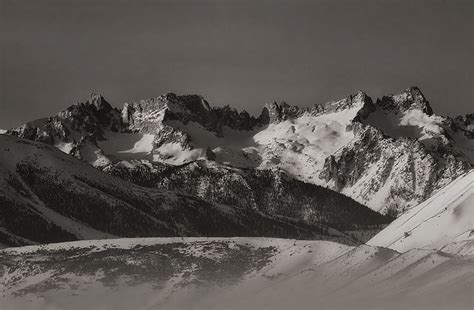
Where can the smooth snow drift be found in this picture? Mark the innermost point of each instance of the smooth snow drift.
(446, 217)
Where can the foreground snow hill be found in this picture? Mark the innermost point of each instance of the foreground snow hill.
(390, 154)
(231, 273)
(446, 218)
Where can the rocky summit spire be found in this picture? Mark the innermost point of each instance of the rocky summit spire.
(270, 113)
(100, 103)
(410, 98)
(419, 100)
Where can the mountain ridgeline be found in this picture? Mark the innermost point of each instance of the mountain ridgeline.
(390, 154)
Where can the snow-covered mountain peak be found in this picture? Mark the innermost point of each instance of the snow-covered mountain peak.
(409, 115)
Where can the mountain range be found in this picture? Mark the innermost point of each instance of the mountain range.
(372, 200)
(389, 155)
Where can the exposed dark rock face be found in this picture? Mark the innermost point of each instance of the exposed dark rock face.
(367, 107)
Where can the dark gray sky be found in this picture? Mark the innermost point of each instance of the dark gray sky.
(241, 53)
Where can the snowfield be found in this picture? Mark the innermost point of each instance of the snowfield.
(300, 146)
(231, 273)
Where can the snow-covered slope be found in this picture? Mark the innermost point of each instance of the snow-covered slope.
(390, 155)
(48, 196)
(446, 217)
(233, 273)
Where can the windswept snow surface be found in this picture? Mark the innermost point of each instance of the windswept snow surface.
(230, 273)
(446, 217)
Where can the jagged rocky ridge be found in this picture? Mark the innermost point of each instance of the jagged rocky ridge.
(390, 154)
